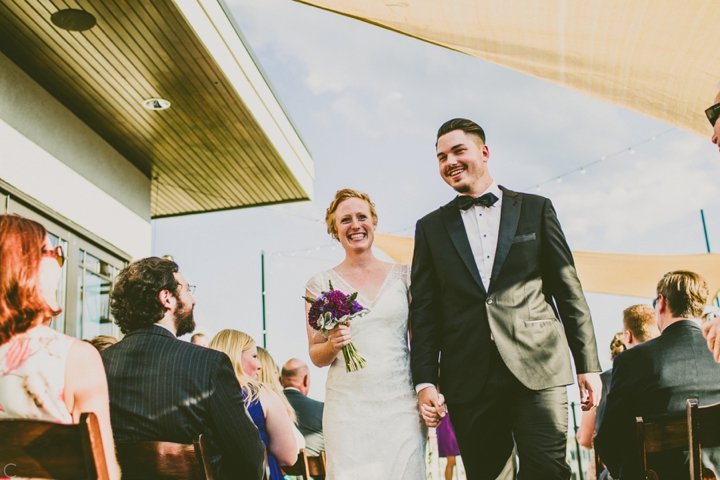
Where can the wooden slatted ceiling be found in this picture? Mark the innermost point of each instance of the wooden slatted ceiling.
(205, 153)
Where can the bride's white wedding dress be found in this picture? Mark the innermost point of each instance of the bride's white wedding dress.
(372, 426)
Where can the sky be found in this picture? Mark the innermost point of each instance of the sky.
(367, 103)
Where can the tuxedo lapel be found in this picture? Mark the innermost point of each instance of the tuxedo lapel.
(509, 218)
(458, 235)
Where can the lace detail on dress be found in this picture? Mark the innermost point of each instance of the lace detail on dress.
(402, 272)
(317, 284)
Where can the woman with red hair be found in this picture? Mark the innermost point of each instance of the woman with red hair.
(44, 374)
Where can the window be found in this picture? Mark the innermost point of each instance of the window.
(95, 280)
(88, 274)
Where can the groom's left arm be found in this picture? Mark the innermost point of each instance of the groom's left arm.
(560, 280)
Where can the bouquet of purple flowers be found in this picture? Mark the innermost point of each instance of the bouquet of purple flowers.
(334, 308)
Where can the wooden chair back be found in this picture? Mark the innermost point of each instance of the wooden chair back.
(146, 460)
(41, 449)
(658, 436)
(307, 467)
(703, 432)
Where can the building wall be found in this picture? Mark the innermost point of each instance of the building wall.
(52, 156)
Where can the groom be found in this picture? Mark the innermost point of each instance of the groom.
(496, 298)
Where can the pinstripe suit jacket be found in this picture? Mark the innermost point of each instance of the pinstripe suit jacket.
(164, 389)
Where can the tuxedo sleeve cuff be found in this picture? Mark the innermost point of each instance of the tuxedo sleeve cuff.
(422, 386)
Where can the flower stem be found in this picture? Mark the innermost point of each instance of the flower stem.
(353, 360)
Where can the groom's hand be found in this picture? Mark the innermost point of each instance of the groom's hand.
(590, 388)
(432, 406)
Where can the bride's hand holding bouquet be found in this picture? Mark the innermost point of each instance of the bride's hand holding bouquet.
(330, 315)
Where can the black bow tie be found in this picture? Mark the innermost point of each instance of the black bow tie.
(486, 200)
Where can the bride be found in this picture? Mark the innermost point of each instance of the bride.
(373, 429)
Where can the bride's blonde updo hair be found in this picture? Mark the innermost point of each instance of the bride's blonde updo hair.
(340, 197)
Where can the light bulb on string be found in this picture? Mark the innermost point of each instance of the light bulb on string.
(582, 171)
(559, 180)
(603, 158)
(537, 188)
(631, 150)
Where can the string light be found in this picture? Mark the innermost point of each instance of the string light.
(583, 168)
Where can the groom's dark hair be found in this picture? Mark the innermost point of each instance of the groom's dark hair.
(467, 126)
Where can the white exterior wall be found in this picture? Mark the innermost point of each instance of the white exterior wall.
(52, 156)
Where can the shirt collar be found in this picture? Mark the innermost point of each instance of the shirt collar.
(166, 328)
(493, 188)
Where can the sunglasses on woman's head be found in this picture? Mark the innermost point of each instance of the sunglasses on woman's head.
(712, 113)
(57, 253)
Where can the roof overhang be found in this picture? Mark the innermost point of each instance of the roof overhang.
(224, 143)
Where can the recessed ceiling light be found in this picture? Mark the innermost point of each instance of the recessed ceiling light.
(73, 19)
(156, 104)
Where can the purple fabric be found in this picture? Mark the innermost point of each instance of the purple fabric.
(447, 443)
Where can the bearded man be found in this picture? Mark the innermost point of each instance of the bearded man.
(164, 389)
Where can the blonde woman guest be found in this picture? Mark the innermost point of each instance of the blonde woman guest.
(372, 424)
(44, 374)
(265, 407)
(270, 377)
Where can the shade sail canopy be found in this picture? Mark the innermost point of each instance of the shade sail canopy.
(659, 58)
(610, 273)
(225, 142)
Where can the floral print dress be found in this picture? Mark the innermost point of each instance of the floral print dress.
(32, 375)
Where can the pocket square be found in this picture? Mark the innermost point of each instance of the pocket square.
(524, 238)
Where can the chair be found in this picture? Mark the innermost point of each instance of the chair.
(307, 467)
(703, 432)
(146, 460)
(42, 449)
(662, 435)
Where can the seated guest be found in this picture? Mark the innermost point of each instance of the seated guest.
(295, 378)
(657, 378)
(44, 375)
(639, 325)
(199, 339)
(269, 376)
(164, 389)
(101, 342)
(266, 409)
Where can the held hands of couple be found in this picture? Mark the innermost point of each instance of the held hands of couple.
(340, 336)
(432, 406)
(590, 387)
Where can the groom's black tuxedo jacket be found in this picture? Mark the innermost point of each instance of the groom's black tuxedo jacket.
(534, 306)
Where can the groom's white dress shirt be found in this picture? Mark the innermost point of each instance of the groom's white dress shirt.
(482, 226)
